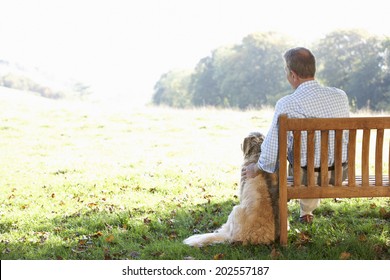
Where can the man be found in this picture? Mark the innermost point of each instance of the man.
(309, 100)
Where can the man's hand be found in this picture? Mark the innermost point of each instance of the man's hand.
(250, 171)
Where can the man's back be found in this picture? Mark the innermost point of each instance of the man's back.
(309, 100)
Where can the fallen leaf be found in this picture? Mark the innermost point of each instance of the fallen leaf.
(362, 237)
(110, 238)
(345, 256)
(147, 221)
(219, 256)
(53, 195)
(383, 213)
(97, 234)
(304, 236)
(107, 255)
(82, 242)
(173, 235)
(372, 205)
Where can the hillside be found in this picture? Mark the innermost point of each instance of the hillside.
(44, 83)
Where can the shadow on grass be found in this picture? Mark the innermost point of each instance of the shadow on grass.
(352, 233)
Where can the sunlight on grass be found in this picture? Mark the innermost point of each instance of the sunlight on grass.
(82, 181)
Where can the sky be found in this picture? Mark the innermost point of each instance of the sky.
(122, 47)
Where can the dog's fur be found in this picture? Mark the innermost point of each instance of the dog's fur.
(256, 219)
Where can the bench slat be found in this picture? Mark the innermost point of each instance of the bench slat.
(346, 183)
(366, 156)
(310, 158)
(345, 191)
(351, 157)
(336, 192)
(379, 157)
(337, 123)
(324, 158)
(297, 158)
(338, 154)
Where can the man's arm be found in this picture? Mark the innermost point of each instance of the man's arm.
(268, 160)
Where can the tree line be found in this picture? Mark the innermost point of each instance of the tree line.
(15, 76)
(251, 74)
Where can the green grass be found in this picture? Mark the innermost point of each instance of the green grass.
(82, 181)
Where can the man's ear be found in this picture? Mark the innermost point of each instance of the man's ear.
(294, 75)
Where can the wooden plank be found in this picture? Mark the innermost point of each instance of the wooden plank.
(358, 180)
(352, 157)
(335, 192)
(283, 180)
(338, 157)
(365, 157)
(297, 158)
(338, 123)
(379, 157)
(310, 158)
(324, 158)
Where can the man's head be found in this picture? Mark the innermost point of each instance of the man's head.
(300, 66)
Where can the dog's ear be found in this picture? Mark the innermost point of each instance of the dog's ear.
(246, 145)
(252, 143)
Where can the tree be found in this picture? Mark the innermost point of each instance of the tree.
(249, 74)
(172, 89)
(354, 61)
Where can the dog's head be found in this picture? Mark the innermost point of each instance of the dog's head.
(252, 144)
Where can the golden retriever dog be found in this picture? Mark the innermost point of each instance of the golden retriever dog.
(256, 219)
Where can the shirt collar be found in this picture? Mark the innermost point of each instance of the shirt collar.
(307, 84)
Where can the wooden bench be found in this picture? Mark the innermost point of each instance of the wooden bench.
(364, 185)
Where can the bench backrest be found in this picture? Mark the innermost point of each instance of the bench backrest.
(362, 186)
(336, 126)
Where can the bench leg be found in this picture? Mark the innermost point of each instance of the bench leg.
(283, 216)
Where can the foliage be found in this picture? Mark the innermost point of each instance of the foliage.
(22, 78)
(245, 75)
(85, 182)
(173, 89)
(27, 84)
(251, 74)
(357, 63)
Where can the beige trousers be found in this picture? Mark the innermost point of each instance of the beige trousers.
(308, 205)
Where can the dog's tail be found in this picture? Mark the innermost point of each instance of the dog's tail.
(200, 240)
(227, 233)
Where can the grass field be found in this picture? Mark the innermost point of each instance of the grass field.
(84, 181)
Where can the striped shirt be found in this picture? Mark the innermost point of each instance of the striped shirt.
(309, 100)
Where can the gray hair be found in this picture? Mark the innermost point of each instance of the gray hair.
(301, 61)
